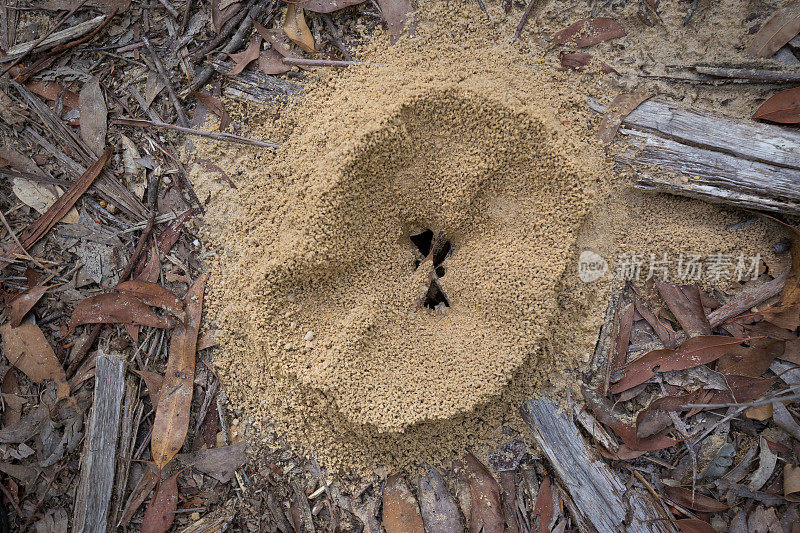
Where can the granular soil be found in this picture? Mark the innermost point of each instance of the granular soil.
(401, 274)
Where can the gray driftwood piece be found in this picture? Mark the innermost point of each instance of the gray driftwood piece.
(601, 499)
(100, 452)
(704, 155)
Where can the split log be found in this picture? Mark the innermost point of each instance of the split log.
(99, 460)
(712, 157)
(601, 500)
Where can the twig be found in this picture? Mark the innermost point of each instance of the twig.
(152, 197)
(171, 10)
(187, 8)
(325, 62)
(690, 13)
(176, 103)
(19, 244)
(336, 37)
(219, 136)
(227, 29)
(524, 19)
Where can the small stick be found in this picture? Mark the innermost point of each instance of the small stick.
(185, 18)
(171, 10)
(19, 244)
(182, 120)
(227, 29)
(524, 19)
(302, 62)
(230, 137)
(336, 37)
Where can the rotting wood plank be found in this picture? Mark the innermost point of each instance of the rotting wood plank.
(601, 499)
(712, 157)
(100, 452)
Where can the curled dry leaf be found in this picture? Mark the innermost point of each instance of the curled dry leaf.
(395, 14)
(693, 352)
(782, 107)
(215, 106)
(27, 348)
(695, 501)
(24, 302)
(117, 308)
(146, 484)
(172, 413)
(486, 513)
(440, 512)
(781, 27)
(685, 302)
(766, 465)
(589, 31)
(296, 29)
(784, 420)
(247, 56)
(400, 510)
(154, 295)
(328, 6)
(543, 508)
(222, 11)
(160, 512)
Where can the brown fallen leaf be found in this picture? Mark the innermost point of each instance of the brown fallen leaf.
(590, 31)
(620, 107)
(624, 325)
(215, 106)
(117, 308)
(246, 56)
(652, 419)
(782, 107)
(154, 295)
(220, 463)
(395, 14)
(791, 483)
(685, 303)
(153, 381)
(94, 115)
(328, 6)
(27, 348)
(24, 302)
(693, 525)
(438, 506)
(160, 512)
(781, 27)
(296, 29)
(486, 513)
(56, 212)
(786, 313)
(752, 360)
(693, 352)
(54, 92)
(271, 62)
(695, 501)
(222, 11)
(172, 413)
(543, 508)
(139, 494)
(580, 60)
(400, 510)
(12, 397)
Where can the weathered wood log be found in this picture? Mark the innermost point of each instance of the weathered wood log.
(100, 453)
(601, 499)
(255, 86)
(709, 156)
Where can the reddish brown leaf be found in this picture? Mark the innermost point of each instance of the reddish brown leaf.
(544, 505)
(220, 16)
(786, 313)
(395, 14)
(247, 56)
(438, 506)
(117, 308)
(56, 212)
(587, 32)
(215, 106)
(486, 513)
(743, 389)
(53, 91)
(400, 510)
(791, 352)
(697, 502)
(781, 27)
(328, 6)
(782, 107)
(94, 116)
(153, 381)
(137, 497)
(751, 361)
(655, 417)
(277, 39)
(160, 511)
(685, 303)
(172, 413)
(12, 398)
(27, 348)
(693, 352)
(154, 295)
(579, 60)
(621, 106)
(624, 326)
(271, 62)
(24, 302)
(693, 525)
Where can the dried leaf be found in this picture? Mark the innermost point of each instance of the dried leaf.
(439, 508)
(695, 501)
(791, 483)
(786, 313)
(782, 107)
(24, 302)
(154, 295)
(693, 352)
(12, 398)
(624, 326)
(222, 11)
(400, 510)
(137, 497)
(215, 106)
(153, 381)
(52, 91)
(589, 31)
(160, 511)
(247, 56)
(395, 14)
(27, 348)
(172, 413)
(759, 412)
(42, 225)
(277, 39)
(219, 463)
(94, 116)
(580, 60)
(766, 464)
(543, 507)
(296, 29)
(41, 196)
(751, 361)
(685, 303)
(486, 513)
(328, 6)
(271, 62)
(784, 420)
(693, 525)
(28, 426)
(621, 106)
(781, 27)
(117, 308)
